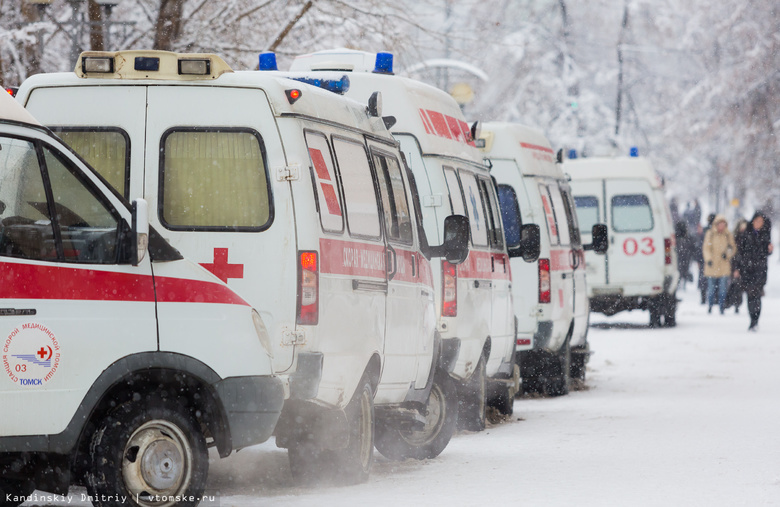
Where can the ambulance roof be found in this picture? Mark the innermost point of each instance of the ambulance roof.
(313, 102)
(426, 112)
(526, 145)
(11, 110)
(613, 168)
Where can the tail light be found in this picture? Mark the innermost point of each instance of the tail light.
(667, 250)
(308, 288)
(449, 289)
(544, 280)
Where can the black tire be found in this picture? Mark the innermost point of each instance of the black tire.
(150, 448)
(670, 310)
(441, 421)
(656, 308)
(311, 464)
(472, 400)
(579, 358)
(504, 401)
(559, 368)
(14, 493)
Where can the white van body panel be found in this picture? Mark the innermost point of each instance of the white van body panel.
(636, 264)
(254, 101)
(523, 159)
(434, 136)
(89, 315)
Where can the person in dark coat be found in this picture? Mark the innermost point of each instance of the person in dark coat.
(754, 248)
(734, 294)
(685, 250)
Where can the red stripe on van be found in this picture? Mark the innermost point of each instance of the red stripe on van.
(319, 164)
(29, 281)
(485, 265)
(426, 122)
(439, 123)
(536, 147)
(352, 258)
(455, 130)
(560, 260)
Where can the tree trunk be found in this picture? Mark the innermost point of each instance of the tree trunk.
(96, 41)
(168, 24)
(621, 38)
(32, 52)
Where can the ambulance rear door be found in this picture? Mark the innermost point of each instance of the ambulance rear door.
(591, 210)
(211, 160)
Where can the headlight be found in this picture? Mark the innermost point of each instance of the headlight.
(262, 333)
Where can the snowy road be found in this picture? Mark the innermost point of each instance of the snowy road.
(685, 416)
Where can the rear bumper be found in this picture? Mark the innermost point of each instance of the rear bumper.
(252, 406)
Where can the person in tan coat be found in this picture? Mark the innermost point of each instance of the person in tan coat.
(718, 248)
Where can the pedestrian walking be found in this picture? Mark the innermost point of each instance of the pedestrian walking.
(717, 250)
(685, 251)
(754, 249)
(734, 294)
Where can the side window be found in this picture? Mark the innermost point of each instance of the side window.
(358, 185)
(214, 179)
(587, 212)
(510, 213)
(571, 217)
(107, 150)
(495, 234)
(456, 195)
(631, 213)
(561, 219)
(326, 191)
(476, 211)
(88, 228)
(397, 216)
(552, 227)
(26, 227)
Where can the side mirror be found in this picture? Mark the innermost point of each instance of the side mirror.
(456, 240)
(530, 244)
(140, 233)
(600, 241)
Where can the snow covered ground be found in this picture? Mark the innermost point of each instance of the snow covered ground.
(685, 416)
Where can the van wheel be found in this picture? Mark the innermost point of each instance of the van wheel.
(146, 450)
(14, 493)
(579, 357)
(440, 422)
(559, 367)
(504, 402)
(310, 464)
(656, 308)
(472, 400)
(670, 310)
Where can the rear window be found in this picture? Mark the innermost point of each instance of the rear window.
(476, 211)
(214, 179)
(107, 150)
(510, 213)
(358, 185)
(325, 188)
(631, 213)
(587, 212)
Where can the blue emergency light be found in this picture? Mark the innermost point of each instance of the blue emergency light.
(384, 63)
(572, 154)
(340, 86)
(634, 152)
(267, 61)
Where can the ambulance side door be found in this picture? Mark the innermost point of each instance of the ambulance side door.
(210, 175)
(591, 210)
(71, 303)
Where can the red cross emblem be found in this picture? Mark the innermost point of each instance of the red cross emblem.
(221, 268)
(43, 352)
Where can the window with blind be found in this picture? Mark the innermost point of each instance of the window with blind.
(214, 179)
(107, 150)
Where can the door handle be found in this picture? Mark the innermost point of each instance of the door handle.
(369, 286)
(12, 312)
(391, 261)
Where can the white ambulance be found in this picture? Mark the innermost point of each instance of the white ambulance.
(550, 296)
(474, 301)
(300, 201)
(639, 270)
(122, 362)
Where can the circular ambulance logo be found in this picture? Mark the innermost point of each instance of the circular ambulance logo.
(31, 355)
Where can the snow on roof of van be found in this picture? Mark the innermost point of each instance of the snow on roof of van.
(314, 102)
(612, 168)
(11, 110)
(427, 112)
(526, 145)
